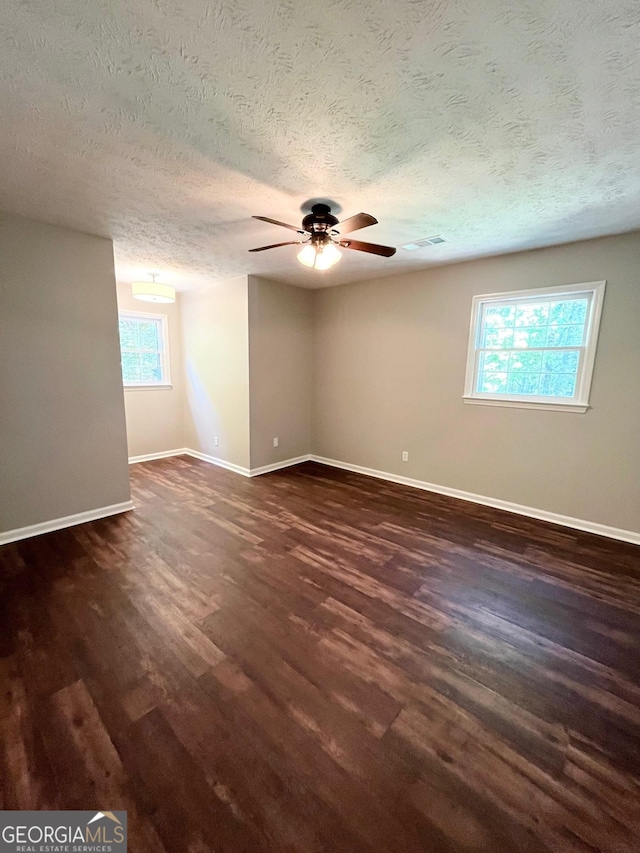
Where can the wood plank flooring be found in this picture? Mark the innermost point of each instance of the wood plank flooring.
(313, 660)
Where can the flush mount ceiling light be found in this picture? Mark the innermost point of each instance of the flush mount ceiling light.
(153, 291)
(322, 233)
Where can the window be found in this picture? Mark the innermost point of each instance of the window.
(144, 350)
(534, 348)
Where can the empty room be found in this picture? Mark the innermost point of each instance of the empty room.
(319, 418)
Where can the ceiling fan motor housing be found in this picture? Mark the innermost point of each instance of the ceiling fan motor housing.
(320, 220)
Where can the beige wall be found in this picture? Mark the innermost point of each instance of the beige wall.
(357, 373)
(155, 416)
(215, 323)
(62, 429)
(280, 353)
(389, 372)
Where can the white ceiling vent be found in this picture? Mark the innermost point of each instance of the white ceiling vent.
(426, 241)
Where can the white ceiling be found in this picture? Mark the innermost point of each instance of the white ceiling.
(502, 124)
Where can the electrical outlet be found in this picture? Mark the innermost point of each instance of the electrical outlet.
(275, 442)
(215, 441)
(405, 455)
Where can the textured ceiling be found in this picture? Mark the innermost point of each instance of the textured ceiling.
(502, 124)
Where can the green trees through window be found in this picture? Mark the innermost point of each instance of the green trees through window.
(532, 348)
(141, 346)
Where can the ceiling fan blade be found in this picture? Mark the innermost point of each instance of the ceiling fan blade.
(372, 248)
(277, 222)
(275, 245)
(354, 223)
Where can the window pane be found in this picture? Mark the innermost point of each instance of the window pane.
(523, 383)
(149, 332)
(494, 361)
(151, 369)
(497, 317)
(536, 314)
(492, 383)
(497, 338)
(131, 367)
(558, 384)
(569, 311)
(525, 362)
(128, 334)
(561, 362)
(564, 336)
(141, 344)
(531, 337)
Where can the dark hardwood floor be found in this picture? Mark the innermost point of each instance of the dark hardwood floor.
(314, 660)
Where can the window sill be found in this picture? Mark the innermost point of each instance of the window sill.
(151, 387)
(577, 408)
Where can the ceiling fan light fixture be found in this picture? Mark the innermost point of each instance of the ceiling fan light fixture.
(319, 256)
(153, 291)
(322, 233)
(308, 255)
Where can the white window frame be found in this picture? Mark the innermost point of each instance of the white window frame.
(165, 382)
(580, 401)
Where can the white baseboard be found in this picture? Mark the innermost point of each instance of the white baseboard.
(276, 466)
(531, 512)
(164, 454)
(221, 463)
(60, 523)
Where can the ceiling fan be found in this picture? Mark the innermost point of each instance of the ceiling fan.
(321, 234)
